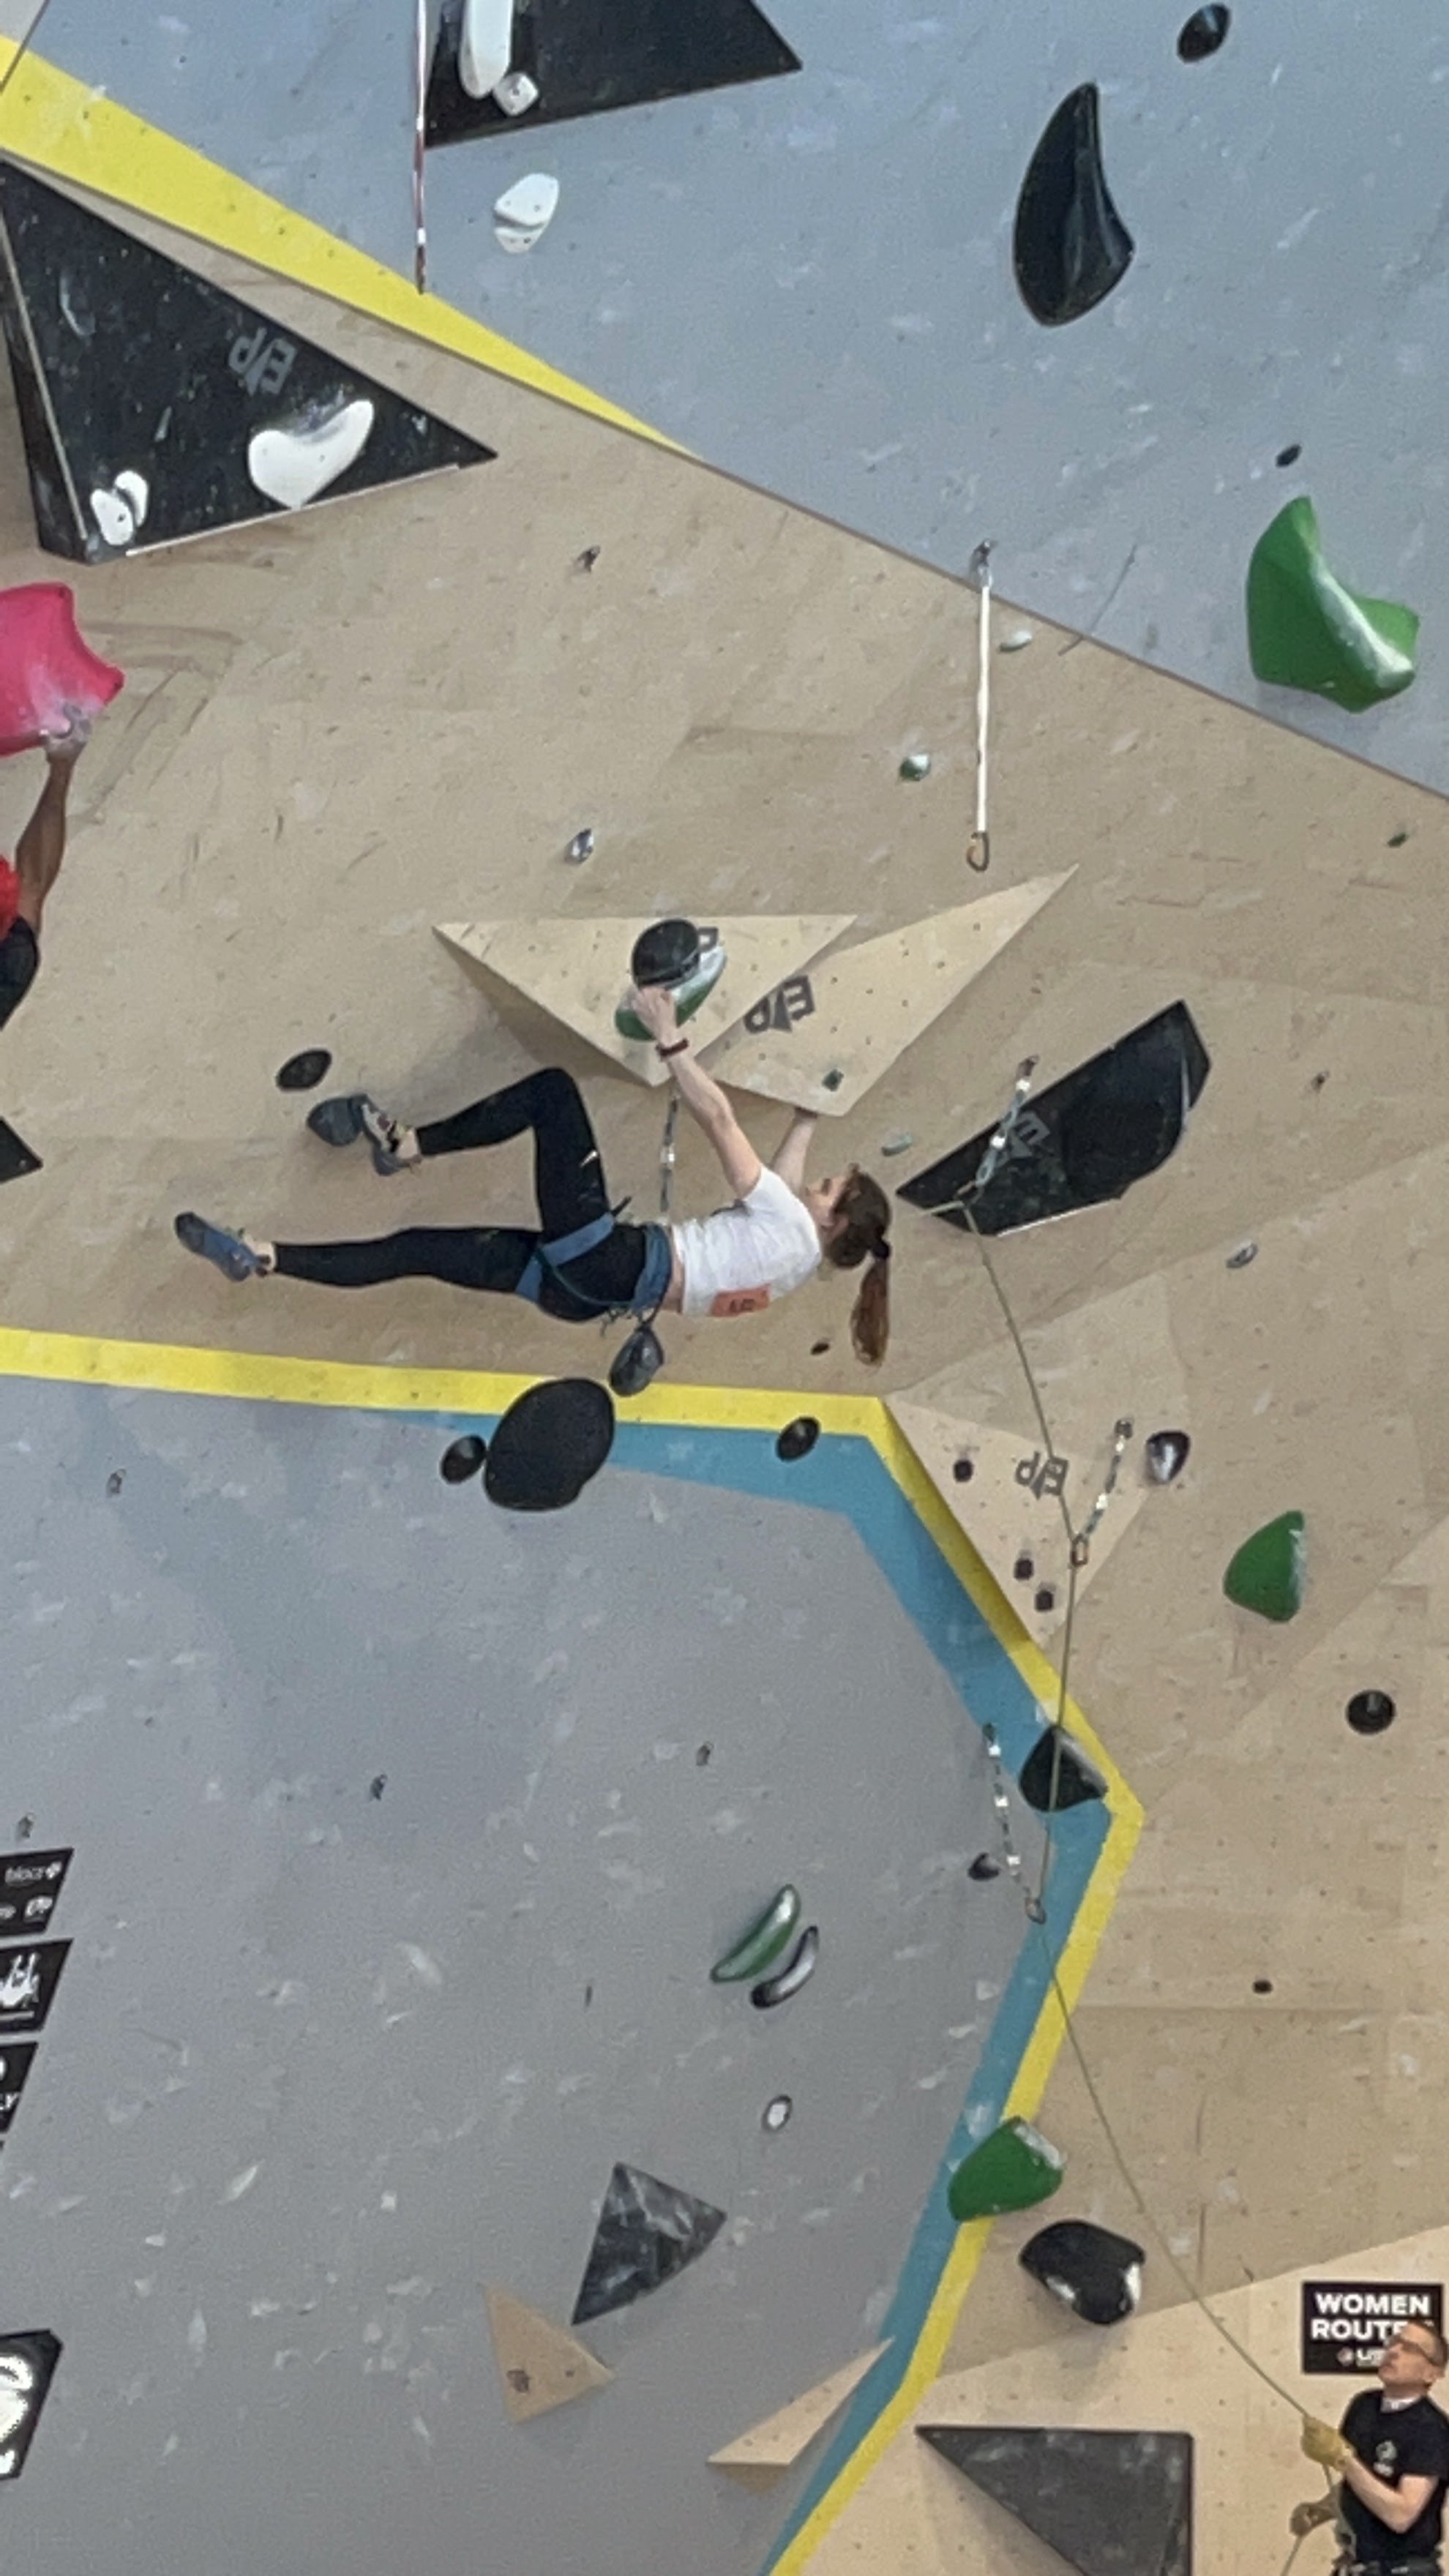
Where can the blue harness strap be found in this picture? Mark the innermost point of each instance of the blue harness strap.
(564, 1247)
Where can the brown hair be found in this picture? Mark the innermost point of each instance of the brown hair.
(862, 1214)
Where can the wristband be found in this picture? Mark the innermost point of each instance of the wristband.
(677, 1049)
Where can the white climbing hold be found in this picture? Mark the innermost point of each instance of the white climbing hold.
(485, 44)
(515, 93)
(525, 211)
(292, 466)
(114, 517)
(135, 491)
(1017, 640)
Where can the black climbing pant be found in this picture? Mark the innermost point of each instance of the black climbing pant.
(569, 1186)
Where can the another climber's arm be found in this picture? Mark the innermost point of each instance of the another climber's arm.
(789, 1162)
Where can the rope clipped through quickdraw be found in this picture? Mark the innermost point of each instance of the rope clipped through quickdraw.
(420, 151)
(978, 848)
(666, 1155)
(1079, 1546)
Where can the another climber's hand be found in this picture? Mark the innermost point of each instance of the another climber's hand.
(655, 1006)
(1308, 2517)
(1323, 2445)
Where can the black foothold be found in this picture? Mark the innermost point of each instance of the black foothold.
(701, 1759)
(818, 1350)
(798, 1438)
(1289, 455)
(832, 1080)
(586, 561)
(1045, 1598)
(376, 1786)
(588, 1997)
(115, 1480)
(1204, 31)
(25, 1829)
(963, 1470)
(1369, 1712)
(983, 1866)
(1023, 1569)
(463, 1459)
(1262, 1985)
(303, 1072)
(1397, 840)
(1166, 1455)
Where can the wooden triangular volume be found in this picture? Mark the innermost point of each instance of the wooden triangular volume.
(578, 971)
(861, 1010)
(971, 1427)
(540, 2364)
(761, 2457)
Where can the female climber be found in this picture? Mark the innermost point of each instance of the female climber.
(580, 1262)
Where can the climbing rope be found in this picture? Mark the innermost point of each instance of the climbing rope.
(978, 848)
(420, 150)
(1079, 1548)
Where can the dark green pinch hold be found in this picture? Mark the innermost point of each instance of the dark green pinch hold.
(1307, 630)
(761, 1946)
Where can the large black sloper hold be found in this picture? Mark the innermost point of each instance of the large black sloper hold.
(1094, 2273)
(1071, 246)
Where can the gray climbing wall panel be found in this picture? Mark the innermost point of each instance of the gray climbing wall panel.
(809, 281)
(397, 1883)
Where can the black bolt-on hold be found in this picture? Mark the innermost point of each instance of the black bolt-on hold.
(303, 1072)
(1166, 1455)
(462, 1459)
(983, 1866)
(1023, 1569)
(664, 953)
(798, 1438)
(1203, 33)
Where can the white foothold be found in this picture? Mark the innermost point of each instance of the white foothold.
(113, 517)
(1018, 640)
(525, 210)
(485, 43)
(291, 466)
(515, 93)
(135, 491)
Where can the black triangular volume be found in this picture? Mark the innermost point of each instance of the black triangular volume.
(1071, 246)
(128, 365)
(16, 1157)
(1110, 2504)
(648, 2230)
(583, 56)
(1083, 1141)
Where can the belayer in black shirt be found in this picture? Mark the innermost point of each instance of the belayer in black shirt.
(1392, 2455)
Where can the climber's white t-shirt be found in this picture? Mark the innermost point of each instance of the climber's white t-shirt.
(744, 1256)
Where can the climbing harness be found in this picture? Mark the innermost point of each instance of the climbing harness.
(978, 848)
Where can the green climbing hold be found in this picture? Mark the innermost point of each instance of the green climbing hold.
(1012, 2169)
(758, 1948)
(1306, 631)
(1267, 1573)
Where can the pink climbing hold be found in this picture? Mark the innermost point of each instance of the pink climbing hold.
(46, 670)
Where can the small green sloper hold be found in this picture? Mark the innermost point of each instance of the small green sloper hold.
(757, 1949)
(1307, 631)
(1267, 1574)
(1012, 2169)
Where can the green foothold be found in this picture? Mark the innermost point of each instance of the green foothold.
(758, 1948)
(1267, 1573)
(1012, 2169)
(1306, 631)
